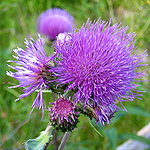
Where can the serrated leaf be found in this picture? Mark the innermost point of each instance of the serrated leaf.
(40, 142)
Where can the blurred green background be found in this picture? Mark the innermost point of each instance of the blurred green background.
(17, 21)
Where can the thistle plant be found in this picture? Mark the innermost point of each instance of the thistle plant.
(92, 69)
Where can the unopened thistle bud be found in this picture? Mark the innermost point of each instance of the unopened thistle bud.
(63, 115)
(63, 38)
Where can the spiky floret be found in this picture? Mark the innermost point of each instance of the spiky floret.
(33, 70)
(54, 21)
(63, 115)
(100, 64)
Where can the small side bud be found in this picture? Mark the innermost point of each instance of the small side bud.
(63, 115)
(63, 38)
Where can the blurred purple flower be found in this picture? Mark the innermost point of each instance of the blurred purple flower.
(32, 70)
(54, 21)
(100, 65)
(63, 115)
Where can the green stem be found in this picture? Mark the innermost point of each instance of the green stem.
(64, 140)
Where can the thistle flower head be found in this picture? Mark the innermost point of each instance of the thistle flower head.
(33, 70)
(54, 21)
(63, 115)
(99, 64)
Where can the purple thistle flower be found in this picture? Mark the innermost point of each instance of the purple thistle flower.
(54, 21)
(100, 65)
(32, 71)
(63, 115)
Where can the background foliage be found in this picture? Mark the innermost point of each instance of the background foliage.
(17, 21)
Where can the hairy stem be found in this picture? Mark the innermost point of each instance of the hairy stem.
(55, 140)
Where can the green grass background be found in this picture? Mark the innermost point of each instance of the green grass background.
(17, 21)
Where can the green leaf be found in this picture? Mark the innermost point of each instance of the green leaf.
(130, 111)
(117, 117)
(112, 136)
(137, 111)
(12, 91)
(127, 136)
(94, 127)
(40, 142)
